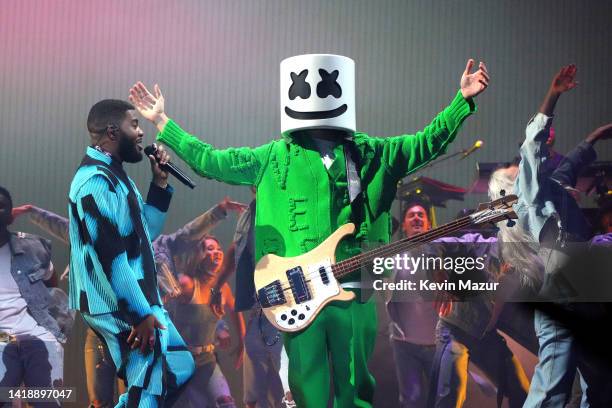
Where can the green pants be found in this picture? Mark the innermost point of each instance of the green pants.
(343, 334)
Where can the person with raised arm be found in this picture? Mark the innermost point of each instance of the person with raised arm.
(320, 175)
(546, 208)
(113, 279)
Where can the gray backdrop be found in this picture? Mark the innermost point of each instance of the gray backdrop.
(217, 63)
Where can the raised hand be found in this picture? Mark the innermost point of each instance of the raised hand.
(474, 84)
(228, 205)
(150, 106)
(564, 80)
(17, 211)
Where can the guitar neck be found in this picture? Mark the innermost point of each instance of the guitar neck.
(354, 263)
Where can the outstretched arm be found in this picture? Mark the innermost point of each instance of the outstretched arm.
(580, 157)
(534, 151)
(563, 81)
(233, 165)
(166, 246)
(197, 228)
(48, 221)
(407, 153)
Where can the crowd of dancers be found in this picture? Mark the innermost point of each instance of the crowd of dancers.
(158, 307)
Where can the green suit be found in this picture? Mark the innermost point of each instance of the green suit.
(299, 204)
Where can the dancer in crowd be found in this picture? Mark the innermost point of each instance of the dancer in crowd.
(468, 332)
(113, 280)
(321, 175)
(196, 316)
(548, 211)
(413, 321)
(262, 382)
(31, 338)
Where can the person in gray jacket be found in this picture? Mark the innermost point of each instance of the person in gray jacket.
(31, 351)
(546, 208)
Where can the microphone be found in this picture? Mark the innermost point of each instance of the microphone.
(170, 167)
(477, 145)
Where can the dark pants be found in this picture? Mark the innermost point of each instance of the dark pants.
(560, 355)
(101, 373)
(413, 364)
(33, 363)
(455, 349)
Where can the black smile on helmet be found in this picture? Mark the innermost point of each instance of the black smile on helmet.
(317, 114)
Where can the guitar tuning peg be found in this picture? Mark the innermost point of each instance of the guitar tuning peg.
(511, 223)
(502, 193)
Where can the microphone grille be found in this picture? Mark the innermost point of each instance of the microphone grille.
(150, 149)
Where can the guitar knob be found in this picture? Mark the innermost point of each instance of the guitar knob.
(293, 312)
(301, 316)
(502, 192)
(291, 321)
(510, 223)
(283, 317)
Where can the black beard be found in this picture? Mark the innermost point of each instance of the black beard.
(5, 220)
(128, 150)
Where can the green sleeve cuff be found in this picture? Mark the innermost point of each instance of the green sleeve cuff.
(172, 135)
(459, 109)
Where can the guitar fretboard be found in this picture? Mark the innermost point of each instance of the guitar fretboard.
(347, 266)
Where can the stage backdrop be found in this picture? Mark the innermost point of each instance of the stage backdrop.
(217, 63)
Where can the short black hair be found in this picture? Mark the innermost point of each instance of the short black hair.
(107, 112)
(413, 201)
(5, 192)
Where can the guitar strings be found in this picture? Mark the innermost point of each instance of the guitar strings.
(345, 267)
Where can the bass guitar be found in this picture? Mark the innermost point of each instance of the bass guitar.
(292, 291)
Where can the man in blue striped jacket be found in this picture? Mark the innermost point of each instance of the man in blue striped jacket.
(113, 280)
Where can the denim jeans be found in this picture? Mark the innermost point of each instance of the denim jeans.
(33, 363)
(413, 363)
(207, 388)
(260, 376)
(559, 357)
(455, 349)
(101, 373)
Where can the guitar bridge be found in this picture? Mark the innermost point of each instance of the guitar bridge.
(271, 295)
(300, 290)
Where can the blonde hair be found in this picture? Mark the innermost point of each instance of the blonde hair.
(518, 247)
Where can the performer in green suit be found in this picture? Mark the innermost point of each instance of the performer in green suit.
(320, 175)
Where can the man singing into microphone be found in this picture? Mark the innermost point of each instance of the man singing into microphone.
(113, 281)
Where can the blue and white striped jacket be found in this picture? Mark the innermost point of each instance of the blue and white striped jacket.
(112, 268)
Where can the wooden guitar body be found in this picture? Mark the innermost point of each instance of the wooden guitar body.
(274, 274)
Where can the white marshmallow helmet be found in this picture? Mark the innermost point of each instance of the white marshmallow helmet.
(317, 92)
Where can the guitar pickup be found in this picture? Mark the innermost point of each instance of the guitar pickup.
(298, 285)
(323, 275)
(271, 295)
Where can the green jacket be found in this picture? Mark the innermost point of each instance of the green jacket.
(300, 202)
